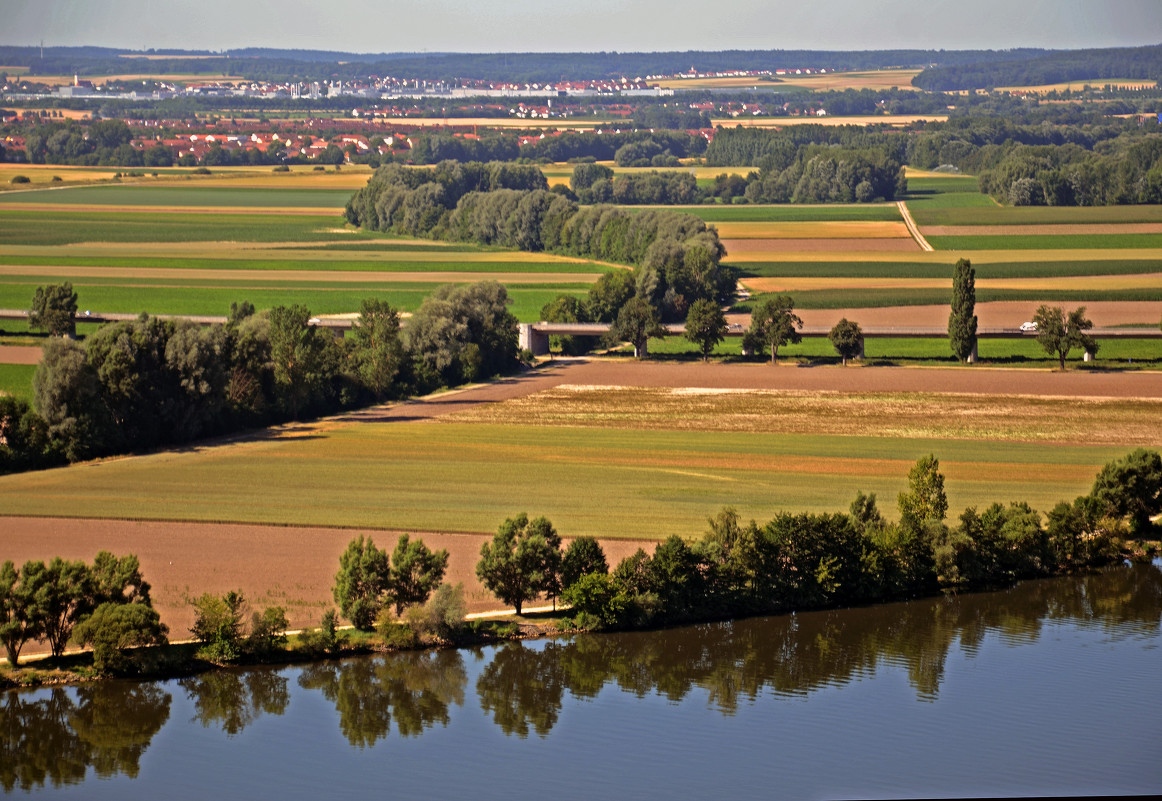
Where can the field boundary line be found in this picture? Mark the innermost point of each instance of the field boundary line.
(912, 228)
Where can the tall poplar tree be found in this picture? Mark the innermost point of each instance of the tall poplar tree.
(962, 320)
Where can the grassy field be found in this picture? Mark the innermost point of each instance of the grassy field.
(16, 380)
(655, 472)
(1112, 354)
(1106, 242)
(215, 299)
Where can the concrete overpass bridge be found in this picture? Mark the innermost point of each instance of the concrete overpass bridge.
(535, 336)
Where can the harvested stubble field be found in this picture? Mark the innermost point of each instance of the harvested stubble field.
(897, 120)
(662, 447)
(834, 229)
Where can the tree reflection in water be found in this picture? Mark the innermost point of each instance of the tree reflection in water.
(53, 736)
(416, 688)
(56, 738)
(236, 699)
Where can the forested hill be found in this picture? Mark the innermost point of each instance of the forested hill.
(1144, 63)
(274, 64)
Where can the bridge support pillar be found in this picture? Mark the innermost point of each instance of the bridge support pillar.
(972, 356)
(533, 340)
(1089, 356)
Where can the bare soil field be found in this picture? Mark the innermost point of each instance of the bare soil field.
(293, 567)
(19, 354)
(839, 229)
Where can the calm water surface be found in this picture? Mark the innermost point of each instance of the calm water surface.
(1047, 688)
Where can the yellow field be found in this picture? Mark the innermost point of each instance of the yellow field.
(847, 229)
(67, 113)
(872, 119)
(563, 124)
(873, 79)
(301, 176)
(1074, 86)
(183, 78)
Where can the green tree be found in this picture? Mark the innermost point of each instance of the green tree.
(114, 627)
(376, 347)
(67, 393)
(415, 572)
(924, 501)
(567, 309)
(267, 631)
(705, 326)
(119, 580)
(522, 561)
(583, 557)
(218, 625)
(62, 594)
(962, 319)
(773, 323)
(1131, 487)
(606, 297)
(54, 309)
(1059, 333)
(847, 339)
(637, 321)
(18, 622)
(364, 577)
(303, 358)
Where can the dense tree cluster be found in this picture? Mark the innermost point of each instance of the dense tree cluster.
(676, 256)
(369, 579)
(804, 561)
(151, 382)
(105, 604)
(814, 163)
(1047, 68)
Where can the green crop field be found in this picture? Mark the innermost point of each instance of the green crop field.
(1112, 353)
(29, 227)
(215, 299)
(1036, 215)
(194, 195)
(945, 192)
(16, 380)
(1106, 242)
(465, 476)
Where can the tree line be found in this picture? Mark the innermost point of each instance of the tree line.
(676, 257)
(806, 561)
(154, 382)
(1046, 68)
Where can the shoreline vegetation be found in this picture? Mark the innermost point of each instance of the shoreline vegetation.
(795, 562)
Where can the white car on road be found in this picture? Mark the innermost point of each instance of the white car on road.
(1028, 327)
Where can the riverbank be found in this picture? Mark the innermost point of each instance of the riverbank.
(181, 659)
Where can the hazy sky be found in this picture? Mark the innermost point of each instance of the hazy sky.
(375, 26)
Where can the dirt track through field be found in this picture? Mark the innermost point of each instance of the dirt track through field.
(295, 566)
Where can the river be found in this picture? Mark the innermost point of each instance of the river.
(1047, 688)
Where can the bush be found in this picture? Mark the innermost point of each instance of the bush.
(115, 627)
(442, 615)
(218, 625)
(202, 171)
(281, 168)
(267, 631)
(20, 179)
(326, 639)
(398, 635)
